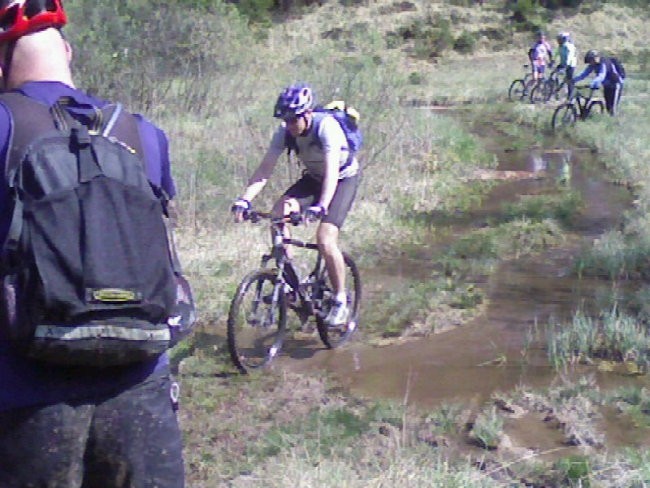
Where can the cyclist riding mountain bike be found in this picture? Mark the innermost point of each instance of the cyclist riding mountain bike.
(605, 76)
(540, 53)
(568, 58)
(327, 187)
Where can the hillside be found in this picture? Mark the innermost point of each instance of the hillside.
(422, 34)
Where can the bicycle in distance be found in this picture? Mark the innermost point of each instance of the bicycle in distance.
(578, 107)
(553, 86)
(521, 87)
(257, 319)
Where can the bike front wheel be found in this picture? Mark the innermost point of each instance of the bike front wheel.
(256, 321)
(541, 92)
(564, 116)
(596, 107)
(334, 336)
(517, 90)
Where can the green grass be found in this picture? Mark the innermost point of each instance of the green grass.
(210, 80)
(611, 336)
(421, 309)
(488, 428)
(634, 401)
(575, 470)
(561, 207)
(513, 239)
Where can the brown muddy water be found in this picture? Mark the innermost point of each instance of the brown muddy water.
(504, 347)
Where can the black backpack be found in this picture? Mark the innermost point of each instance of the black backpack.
(89, 273)
(618, 66)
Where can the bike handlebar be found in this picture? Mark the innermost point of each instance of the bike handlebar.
(294, 218)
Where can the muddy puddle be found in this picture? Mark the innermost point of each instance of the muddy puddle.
(502, 348)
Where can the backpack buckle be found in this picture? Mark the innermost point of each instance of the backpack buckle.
(80, 136)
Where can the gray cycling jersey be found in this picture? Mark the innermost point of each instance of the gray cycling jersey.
(325, 133)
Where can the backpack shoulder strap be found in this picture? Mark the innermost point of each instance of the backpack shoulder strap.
(123, 126)
(35, 119)
(290, 143)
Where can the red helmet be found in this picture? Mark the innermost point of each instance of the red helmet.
(20, 17)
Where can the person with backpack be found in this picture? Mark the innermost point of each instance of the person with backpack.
(85, 387)
(327, 187)
(607, 74)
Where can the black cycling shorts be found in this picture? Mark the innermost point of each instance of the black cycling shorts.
(307, 191)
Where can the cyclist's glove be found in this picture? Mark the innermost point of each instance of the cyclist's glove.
(595, 85)
(239, 208)
(314, 213)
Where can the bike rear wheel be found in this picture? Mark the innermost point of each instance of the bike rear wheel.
(334, 336)
(256, 321)
(564, 116)
(517, 90)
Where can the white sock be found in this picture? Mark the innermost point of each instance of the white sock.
(341, 297)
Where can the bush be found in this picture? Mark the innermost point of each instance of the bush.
(256, 11)
(465, 43)
(556, 4)
(432, 36)
(416, 78)
(112, 60)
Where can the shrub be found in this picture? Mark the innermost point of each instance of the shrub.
(111, 59)
(488, 428)
(465, 43)
(432, 36)
(416, 78)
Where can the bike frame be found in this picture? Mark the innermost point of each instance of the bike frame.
(582, 102)
(286, 272)
(264, 295)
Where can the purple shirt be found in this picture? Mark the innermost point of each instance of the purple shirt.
(24, 382)
(604, 74)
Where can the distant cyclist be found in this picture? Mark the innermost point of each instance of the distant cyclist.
(327, 187)
(540, 55)
(606, 76)
(568, 57)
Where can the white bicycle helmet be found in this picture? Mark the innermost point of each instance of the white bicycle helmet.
(294, 100)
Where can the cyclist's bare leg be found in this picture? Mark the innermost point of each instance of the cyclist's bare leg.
(327, 238)
(285, 206)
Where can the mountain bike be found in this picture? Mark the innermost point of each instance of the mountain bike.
(579, 107)
(554, 86)
(521, 87)
(257, 319)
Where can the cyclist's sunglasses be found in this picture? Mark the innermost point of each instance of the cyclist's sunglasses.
(292, 118)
